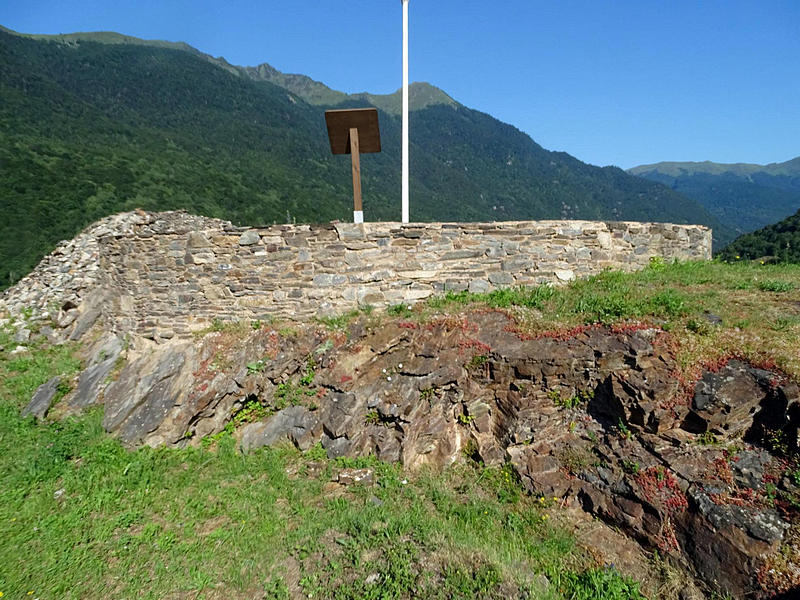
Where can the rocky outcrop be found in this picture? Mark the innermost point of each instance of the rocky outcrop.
(42, 399)
(594, 416)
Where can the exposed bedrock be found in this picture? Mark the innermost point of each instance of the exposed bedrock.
(596, 416)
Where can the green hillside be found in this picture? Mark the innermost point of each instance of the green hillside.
(790, 168)
(779, 242)
(742, 196)
(89, 128)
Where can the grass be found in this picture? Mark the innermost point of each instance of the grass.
(82, 517)
(341, 322)
(759, 308)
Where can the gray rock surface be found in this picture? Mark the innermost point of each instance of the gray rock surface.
(295, 423)
(42, 399)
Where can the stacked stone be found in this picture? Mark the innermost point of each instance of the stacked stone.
(67, 274)
(177, 280)
(172, 272)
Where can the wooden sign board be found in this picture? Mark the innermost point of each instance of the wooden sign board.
(340, 122)
(354, 131)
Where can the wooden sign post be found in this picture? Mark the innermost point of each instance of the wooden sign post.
(354, 131)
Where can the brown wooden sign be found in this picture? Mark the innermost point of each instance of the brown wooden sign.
(340, 122)
(353, 131)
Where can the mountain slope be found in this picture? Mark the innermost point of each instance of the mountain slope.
(778, 242)
(421, 95)
(743, 196)
(89, 128)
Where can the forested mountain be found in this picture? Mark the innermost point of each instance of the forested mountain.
(92, 127)
(777, 243)
(742, 196)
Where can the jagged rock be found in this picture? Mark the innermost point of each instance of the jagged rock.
(90, 311)
(295, 423)
(727, 543)
(637, 398)
(344, 416)
(140, 399)
(90, 383)
(93, 380)
(594, 415)
(431, 438)
(336, 447)
(42, 399)
(542, 474)
(725, 402)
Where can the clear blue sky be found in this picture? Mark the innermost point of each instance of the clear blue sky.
(619, 82)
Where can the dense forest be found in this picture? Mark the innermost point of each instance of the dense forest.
(775, 243)
(88, 129)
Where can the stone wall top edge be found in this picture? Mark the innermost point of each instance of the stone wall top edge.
(213, 223)
(474, 224)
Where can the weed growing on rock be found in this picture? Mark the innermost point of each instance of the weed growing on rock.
(707, 439)
(464, 419)
(570, 401)
(427, 394)
(340, 322)
(476, 362)
(255, 367)
(400, 310)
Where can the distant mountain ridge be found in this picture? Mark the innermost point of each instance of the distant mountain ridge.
(789, 168)
(89, 128)
(421, 94)
(744, 196)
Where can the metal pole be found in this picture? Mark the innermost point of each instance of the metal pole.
(405, 111)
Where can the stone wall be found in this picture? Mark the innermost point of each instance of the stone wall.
(172, 272)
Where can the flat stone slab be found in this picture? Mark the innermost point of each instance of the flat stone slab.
(42, 400)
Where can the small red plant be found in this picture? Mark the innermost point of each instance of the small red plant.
(721, 470)
(473, 344)
(660, 486)
(452, 323)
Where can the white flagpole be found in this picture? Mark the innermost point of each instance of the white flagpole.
(405, 111)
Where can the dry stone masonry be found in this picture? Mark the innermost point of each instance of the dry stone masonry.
(168, 273)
